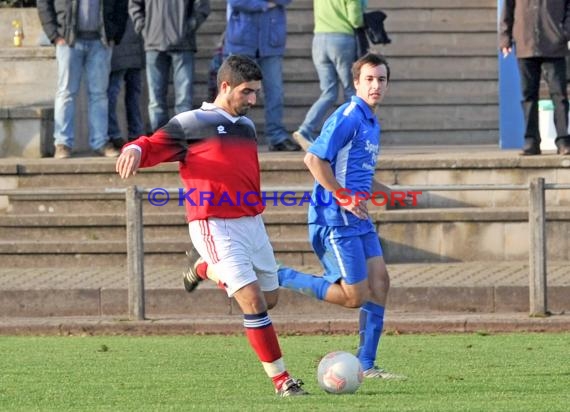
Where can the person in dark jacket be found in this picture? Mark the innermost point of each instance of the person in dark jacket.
(540, 31)
(258, 29)
(168, 28)
(84, 33)
(127, 64)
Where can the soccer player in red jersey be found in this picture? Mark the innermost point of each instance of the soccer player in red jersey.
(216, 147)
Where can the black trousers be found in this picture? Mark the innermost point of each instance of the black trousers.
(554, 69)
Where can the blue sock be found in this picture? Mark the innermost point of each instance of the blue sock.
(370, 328)
(314, 286)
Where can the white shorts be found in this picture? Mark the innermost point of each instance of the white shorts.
(238, 250)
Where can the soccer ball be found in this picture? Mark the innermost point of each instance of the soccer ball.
(339, 372)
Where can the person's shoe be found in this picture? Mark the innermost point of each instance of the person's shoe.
(108, 151)
(191, 278)
(291, 387)
(531, 147)
(377, 373)
(62, 151)
(563, 145)
(301, 140)
(118, 143)
(286, 145)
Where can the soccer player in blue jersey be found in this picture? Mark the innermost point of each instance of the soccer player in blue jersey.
(342, 160)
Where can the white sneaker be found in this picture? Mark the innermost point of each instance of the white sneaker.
(301, 140)
(291, 387)
(376, 372)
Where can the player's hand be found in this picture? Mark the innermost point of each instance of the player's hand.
(506, 51)
(409, 200)
(357, 206)
(128, 162)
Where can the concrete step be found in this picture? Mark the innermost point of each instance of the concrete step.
(426, 167)
(407, 63)
(428, 235)
(29, 253)
(477, 287)
(277, 199)
(301, 83)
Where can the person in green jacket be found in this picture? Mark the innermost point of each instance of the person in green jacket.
(334, 52)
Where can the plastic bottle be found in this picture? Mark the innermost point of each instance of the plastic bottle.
(18, 32)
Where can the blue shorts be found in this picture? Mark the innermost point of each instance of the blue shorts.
(344, 257)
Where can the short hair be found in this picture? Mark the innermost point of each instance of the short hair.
(237, 69)
(373, 59)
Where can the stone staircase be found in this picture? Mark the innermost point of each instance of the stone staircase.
(442, 55)
(459, 226)
(470, 249)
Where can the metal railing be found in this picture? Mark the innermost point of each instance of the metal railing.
(135, 246)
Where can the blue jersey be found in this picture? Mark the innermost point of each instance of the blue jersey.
(350, 141)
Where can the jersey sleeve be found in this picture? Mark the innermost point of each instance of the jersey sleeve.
(336, 133)
(167, 144)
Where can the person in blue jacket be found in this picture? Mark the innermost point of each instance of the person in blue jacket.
(258, 29)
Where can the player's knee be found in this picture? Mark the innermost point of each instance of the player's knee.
(353, 302)
(379, 283)
(271, 303)
(271, 298)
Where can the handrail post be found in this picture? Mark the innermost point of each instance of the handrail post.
(537, 248)
(135, 253)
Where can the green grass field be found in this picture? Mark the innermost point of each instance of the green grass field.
(470, 372)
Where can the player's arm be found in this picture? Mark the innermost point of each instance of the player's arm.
(407, 198)
(323, 173)
(167, 144)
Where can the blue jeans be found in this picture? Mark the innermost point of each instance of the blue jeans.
(333, 56)
(93, 58)
(272, 69)
(133, 89)
(158, 64)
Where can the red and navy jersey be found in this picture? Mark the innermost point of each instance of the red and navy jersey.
(218, 163)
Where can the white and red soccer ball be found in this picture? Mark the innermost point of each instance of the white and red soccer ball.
(339, 372)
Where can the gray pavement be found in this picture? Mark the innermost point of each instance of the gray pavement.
(465, 274)
(211, 313)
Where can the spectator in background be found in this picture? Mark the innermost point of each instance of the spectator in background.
(126, 64)
(540, 30)
(84, 43)
(169, 32)
(334, 52)
(215, 63)
(258, 29)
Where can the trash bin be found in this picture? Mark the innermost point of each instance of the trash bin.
(546, 125)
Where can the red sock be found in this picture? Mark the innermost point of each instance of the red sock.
(263, 339)
(202, 270)
(280, 379)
